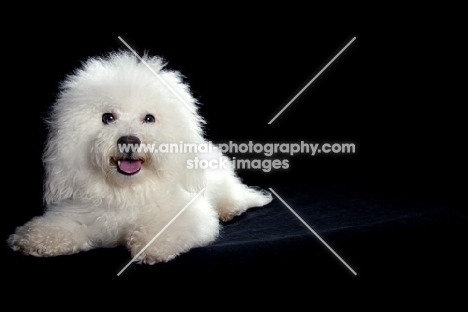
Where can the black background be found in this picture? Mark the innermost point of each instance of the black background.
(394, 92)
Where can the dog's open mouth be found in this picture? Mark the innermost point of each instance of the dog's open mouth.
(128, 166)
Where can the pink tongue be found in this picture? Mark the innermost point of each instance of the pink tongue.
(130, 166)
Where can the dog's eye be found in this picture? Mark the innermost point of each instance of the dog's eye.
(149, 119)
(108, 118)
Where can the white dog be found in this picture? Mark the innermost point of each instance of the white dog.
(98, 195)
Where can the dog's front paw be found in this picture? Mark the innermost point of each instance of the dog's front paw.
(151, 257)
(152, 253)
(42, 241)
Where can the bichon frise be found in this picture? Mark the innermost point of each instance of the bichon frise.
(98, 194)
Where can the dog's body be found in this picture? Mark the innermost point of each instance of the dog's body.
(97, 195)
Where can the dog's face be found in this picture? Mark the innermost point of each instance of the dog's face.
(124, 146)
(108, 122)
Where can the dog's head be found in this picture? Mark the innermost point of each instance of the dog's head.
(108, 122)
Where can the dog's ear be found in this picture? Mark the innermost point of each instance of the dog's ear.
(58, 178)
(65, 160)
(182, 167)
(193, 179)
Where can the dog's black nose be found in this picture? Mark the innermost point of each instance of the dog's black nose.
(128, 144)
(129, 139)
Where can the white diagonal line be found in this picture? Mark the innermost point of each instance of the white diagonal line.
(159, 77)
(311, 81)
(163, 229)
(310, 229)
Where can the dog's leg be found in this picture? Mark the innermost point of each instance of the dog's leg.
(50, 235)
(196, 226)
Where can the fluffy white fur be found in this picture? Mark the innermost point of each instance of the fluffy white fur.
(90, 203)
